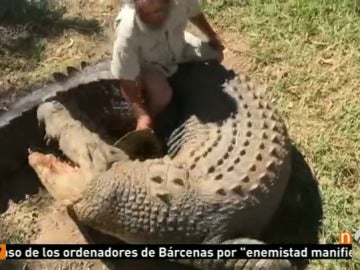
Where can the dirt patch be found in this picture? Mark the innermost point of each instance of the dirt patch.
(235, 53)
(39, 220)
(57, 227)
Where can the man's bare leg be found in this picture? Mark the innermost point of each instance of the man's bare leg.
(157, 90)
(149, 96)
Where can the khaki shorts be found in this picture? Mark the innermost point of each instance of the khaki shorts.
(195, 49)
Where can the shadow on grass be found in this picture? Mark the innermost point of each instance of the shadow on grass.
(23, 26)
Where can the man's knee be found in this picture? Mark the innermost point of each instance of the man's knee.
(158, 90)
(161, 98)
(165, 97)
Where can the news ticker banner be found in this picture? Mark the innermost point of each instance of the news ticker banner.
(102, 251)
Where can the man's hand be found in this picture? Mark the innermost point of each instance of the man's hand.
(144, 122)
(201, 22)
(133, 93)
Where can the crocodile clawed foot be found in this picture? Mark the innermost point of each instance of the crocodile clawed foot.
(63, 181)
(264, 264)
(47, 139)
(257, 264)
(240, 264)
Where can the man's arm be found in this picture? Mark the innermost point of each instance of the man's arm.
(133, 93)
(126, 67)
(201, 22)
(197, 17)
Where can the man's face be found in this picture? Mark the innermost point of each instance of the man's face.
(153, 12)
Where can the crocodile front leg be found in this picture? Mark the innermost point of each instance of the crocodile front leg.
(239, 264)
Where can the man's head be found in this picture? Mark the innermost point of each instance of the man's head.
(152, 12)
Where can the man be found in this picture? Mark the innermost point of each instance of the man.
(150, 41)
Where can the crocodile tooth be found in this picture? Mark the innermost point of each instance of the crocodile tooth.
(47, 140)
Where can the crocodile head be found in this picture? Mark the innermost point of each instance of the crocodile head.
(64, 181)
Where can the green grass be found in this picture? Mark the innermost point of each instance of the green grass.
(308, 54)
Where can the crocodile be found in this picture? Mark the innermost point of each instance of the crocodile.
(221, 180)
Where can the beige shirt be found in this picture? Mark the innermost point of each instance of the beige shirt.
(138, 47)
